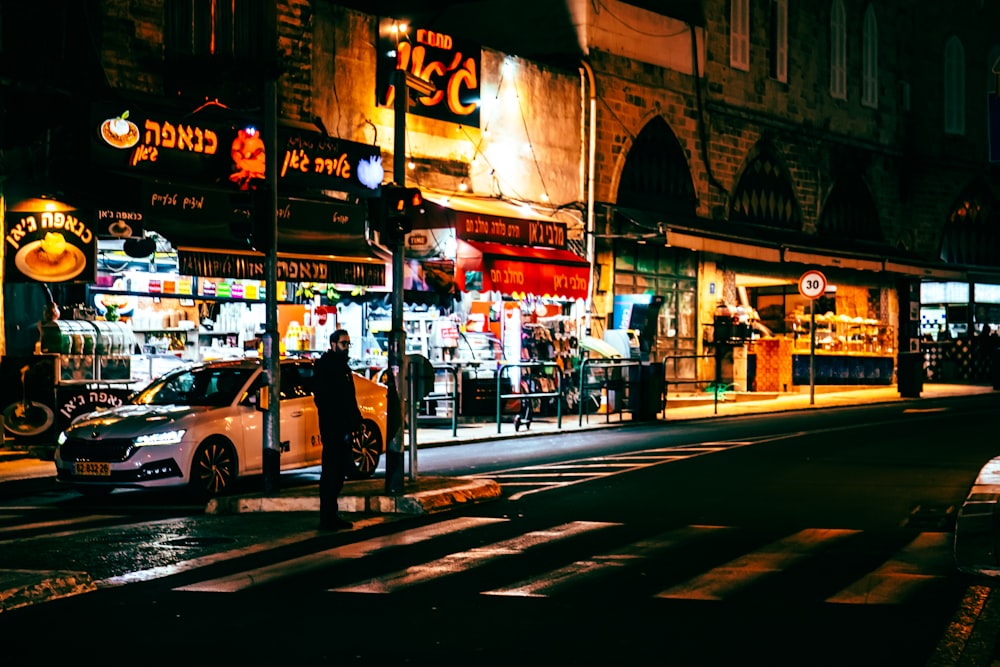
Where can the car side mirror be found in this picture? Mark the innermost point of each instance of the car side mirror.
(260, 398)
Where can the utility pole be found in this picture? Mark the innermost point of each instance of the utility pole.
(397, 336)
(268, 222)
(402, 82)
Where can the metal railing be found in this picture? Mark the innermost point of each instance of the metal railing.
(592, 366)
(530, 365)
(453, 398)
(668, 381)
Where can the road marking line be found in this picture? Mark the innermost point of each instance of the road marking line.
(750, 567)
(295, 566)
(924, 559)
(544, 584)
(465, 560)
(24, 527)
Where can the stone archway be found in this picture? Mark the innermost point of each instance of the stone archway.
(764, 194)
(656, 176)
(850, 212)
(972, 229)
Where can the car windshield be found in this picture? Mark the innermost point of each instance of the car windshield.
(211, 386)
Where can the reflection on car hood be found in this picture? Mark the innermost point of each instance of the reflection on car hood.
(128, 419)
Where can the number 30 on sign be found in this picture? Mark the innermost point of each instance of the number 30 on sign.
(812, 284)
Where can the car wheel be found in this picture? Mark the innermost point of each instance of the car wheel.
(366, 450)
(213, 470)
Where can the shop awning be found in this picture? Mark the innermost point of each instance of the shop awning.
(521, 270)
(783, 247)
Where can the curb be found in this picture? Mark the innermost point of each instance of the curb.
(437, 495)
(20, 588)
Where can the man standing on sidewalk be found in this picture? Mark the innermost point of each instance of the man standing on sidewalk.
(339, 418)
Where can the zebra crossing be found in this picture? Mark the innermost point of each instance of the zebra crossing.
(668, 562)
(526, 480)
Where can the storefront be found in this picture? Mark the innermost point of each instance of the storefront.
(517, 289)
(160, 235)
(865, 319)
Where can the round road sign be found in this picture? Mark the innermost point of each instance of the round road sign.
(812, 284)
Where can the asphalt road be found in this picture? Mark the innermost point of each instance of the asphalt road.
(822, 538)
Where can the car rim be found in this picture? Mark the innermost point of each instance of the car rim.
(366, 450)
(214, 468)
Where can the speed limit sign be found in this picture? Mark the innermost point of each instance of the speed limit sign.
(812, 284)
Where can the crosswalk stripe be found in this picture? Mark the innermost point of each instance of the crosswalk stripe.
(60, 523)
(922, 560)
(295, 566)
(737, 573)
(458, 562)
(542, 585)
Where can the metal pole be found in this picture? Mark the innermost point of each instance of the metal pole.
(412, 380)
(812, 351)
(271, 351)
(397, 336)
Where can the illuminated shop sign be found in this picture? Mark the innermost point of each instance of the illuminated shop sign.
(510, 231)
(49, 246)
(451, 64)
(251, 267)
(230, 153)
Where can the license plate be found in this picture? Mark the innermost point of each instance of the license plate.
(92, 469)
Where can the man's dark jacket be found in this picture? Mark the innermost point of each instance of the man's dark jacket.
(333, 392)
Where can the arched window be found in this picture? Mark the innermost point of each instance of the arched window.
(849, 211)
(739, 34)
(656, 176)
(972, 231)
(764, 195)
(779, 40)
(954, 86)
(838, 50)
(993, 70)
(869, 60)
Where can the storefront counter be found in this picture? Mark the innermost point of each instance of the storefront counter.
(779, 367)
(843, 368)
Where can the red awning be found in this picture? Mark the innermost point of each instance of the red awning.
(521, 270)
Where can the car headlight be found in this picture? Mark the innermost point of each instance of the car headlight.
(165, 438)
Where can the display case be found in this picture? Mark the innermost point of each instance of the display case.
(86, 351)
(842, 334)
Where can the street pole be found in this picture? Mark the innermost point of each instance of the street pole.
(271, 349)
(397, 336)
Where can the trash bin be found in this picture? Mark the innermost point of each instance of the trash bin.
(910, 374)
(995, 366)
(650, 391)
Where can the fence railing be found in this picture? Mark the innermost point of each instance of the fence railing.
(667, 381)
(608, 377)
(530, 366)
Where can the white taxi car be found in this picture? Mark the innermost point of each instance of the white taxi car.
(199, 426)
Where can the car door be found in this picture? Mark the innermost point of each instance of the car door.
(296, 406)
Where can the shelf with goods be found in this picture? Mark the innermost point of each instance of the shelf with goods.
(841, 334)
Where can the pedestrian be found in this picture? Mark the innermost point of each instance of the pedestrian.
(339, 418)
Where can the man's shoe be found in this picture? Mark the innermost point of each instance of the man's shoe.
(335, 524)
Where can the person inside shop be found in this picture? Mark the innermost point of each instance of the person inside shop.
(339, 419)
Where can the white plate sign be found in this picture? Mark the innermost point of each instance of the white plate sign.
(812, 284)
